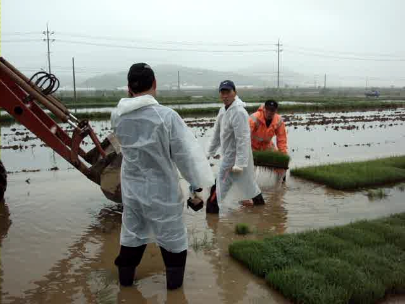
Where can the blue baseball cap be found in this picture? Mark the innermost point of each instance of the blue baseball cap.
(227, 85)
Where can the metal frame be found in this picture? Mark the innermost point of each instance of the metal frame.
(22, 99)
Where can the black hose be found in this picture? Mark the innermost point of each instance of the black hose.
(48, 83)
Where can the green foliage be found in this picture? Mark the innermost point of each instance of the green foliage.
(356, 263)
(354, 175)
(242, 228)
(376, 194)
(272, 159)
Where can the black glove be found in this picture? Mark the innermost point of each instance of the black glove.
(195, 202)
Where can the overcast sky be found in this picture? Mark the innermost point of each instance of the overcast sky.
(318, 36)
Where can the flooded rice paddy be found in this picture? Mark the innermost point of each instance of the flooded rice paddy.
(59, 235)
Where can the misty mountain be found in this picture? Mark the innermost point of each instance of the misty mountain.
(167, 78)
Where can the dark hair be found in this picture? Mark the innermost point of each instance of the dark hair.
(271, 104)
(140, 78)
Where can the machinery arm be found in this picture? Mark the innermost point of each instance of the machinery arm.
(23, 99)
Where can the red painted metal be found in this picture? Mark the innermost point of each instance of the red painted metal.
(20, 98)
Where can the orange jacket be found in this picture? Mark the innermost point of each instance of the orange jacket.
(262, 135)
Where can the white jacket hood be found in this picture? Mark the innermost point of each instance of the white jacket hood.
(235, 103)
(127, 105)
(239, 101)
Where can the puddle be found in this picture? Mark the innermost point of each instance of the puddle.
(179, 106)
(59, 235)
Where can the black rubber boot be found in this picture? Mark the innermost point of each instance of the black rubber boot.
(212, 208)
(174, 277)
(126, 275)
(212, 203)
(258, 200)
(127, 261)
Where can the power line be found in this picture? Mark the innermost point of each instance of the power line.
(19, 33)
(200, 43)
(297, 49)
(344, 57)
(316, 50)
(164, 49)
(314, 53)
(188, 43)
(227, 51)
(19, 40)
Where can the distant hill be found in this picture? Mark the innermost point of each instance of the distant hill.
(268, 72)
(166, 76)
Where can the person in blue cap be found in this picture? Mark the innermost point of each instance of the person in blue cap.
(236, 179)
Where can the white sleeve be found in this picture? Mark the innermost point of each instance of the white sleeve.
(188, 155)
(216, 139)
(113, 119)
(240, 124)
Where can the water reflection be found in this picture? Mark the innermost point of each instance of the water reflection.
(5, 221)
(87, 273)
(233, 279)
(5, 224)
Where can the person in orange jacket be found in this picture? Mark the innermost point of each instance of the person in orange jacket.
(264, 125)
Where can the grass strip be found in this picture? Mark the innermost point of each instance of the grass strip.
(242, 229)
(356, 263)
(355, 175)
(273, 159)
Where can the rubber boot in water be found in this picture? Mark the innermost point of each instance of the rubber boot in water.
(126, 275)
(258, 200)
(126, 271)
(174, 277)
(212, 202)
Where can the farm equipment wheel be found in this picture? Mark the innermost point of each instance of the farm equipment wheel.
(3, 181)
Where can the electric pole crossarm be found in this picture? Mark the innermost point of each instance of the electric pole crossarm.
(47, 34)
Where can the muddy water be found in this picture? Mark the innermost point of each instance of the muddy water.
(59, 235)
(313, 139)
(194, 106)
(181, 106)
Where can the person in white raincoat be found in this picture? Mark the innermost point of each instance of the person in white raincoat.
(155, 144)
(236, 178)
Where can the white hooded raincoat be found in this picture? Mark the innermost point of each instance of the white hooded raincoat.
(156, 144)
(232, 134)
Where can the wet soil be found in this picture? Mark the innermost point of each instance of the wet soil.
(59, 235)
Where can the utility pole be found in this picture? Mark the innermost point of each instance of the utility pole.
(47, 33)
(74, 83)
(278, 63)
(366, 83)
(324, 83)
(178, 81)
